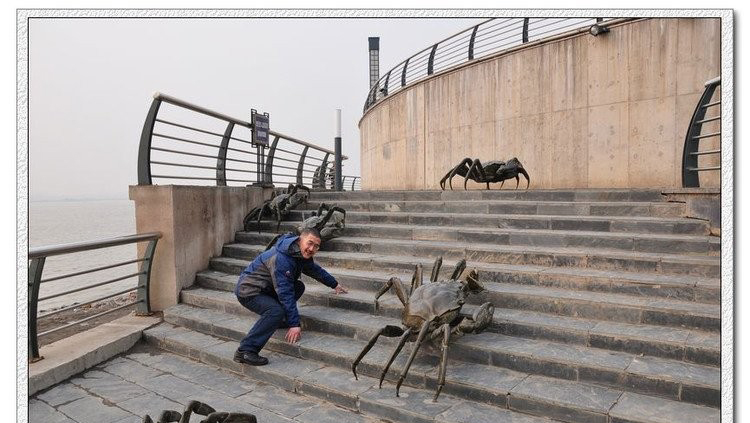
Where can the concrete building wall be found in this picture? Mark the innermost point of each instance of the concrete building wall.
(195, 222)
(608, 111)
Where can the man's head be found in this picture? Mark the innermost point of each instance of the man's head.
(309, 242)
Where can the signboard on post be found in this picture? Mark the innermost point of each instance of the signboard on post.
(261, 126)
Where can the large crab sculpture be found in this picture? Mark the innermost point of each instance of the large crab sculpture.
(212, 416)
(494, 171)
(431, 311)
(329, 225)
(278, 206)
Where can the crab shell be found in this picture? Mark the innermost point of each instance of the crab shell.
(440, 302)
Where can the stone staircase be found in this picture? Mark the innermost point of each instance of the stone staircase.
(607, 308)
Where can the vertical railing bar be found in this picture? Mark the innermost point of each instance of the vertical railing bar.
(268, 177)
(690, 178)
(221, 160)
(144, 148)
(431, 61)
(471, 42)
(301, 164)
(35, 276)
(384, 90)
(144, 280)
(403, 73)
(525, 33)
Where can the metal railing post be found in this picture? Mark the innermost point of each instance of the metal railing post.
(143, 299)
(268, 177)
(301, 163)
(471, 42)
(319, 177)
(221, 160)
(525, 33)
(353, 181)
(36, 267)
(431, 61)
(338, 183)
(144, 148)
(384, 90)
(403, 73)
(690, 150)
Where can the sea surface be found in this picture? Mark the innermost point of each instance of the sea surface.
(63, 222)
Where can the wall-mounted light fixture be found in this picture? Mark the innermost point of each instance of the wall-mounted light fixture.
(596, 30)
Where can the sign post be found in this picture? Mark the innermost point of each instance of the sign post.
(260, 128)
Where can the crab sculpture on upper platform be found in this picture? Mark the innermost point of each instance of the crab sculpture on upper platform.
(433, 311)
(278, 206)
(212, 416)
(494, 171)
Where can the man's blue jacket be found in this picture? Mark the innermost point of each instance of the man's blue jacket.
(274, 271)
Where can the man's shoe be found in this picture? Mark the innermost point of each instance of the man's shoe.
(250, 358)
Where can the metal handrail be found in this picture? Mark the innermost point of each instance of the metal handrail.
(37, 257)
(690, 151)
(501, 36)
(262, 166)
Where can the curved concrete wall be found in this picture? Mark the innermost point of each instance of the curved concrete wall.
(607, 111)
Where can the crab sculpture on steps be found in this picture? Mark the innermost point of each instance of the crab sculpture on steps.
(212, 416)
(278, 206)
(330, 224)
(494, 171)
(431, 311)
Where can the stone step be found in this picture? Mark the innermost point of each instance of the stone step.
(295, 371)
(569, 208)
(460, 194)
(630, 224)
(355, 267)
(650, 243)
(494, 352)
(693, 346)
(572, 257)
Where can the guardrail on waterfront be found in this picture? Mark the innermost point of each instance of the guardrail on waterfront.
(177, 143)
(691, 151)
(485, 39)
(38, 256)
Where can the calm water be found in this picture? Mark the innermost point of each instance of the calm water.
(62, 222)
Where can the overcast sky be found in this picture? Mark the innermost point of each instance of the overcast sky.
(91, 82)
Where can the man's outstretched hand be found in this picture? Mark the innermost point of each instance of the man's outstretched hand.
(293, 335)
(340, 289)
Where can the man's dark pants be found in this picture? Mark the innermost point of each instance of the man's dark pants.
(271, 315)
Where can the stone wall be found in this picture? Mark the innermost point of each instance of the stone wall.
(609, 111)
(195, 222)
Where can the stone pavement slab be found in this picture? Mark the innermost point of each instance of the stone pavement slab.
(40, 411)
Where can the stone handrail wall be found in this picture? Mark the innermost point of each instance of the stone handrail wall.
(579, 112)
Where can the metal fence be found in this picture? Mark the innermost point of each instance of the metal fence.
(182, 142)
(711, 99)
(485, 39)
(37, 258)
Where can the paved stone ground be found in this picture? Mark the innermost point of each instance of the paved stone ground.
(146, 380)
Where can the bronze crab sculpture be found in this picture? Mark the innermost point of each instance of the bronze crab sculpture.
(278, 206)
(494, 171)
(434, 310)
(329, 225)
(212, 416)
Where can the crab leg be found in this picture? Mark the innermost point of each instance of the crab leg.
(397, 286)
(417, 344)
(476, 172)
(416, 279)
(526, 175)
(446, 328)
(400, 345)
(436, 269)
(387, 330)
(460, 266)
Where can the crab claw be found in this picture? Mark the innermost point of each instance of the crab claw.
(522, 171)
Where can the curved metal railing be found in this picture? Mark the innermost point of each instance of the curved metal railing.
(216, 148)
(691, 151)
(480, 41)
(38, 256)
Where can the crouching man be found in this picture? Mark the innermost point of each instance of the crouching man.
(270, 287)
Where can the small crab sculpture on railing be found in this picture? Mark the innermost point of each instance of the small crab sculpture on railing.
(278, 206)
(434, 310)
(212, 416)
(330, 224)
(494, 171)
